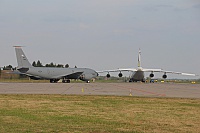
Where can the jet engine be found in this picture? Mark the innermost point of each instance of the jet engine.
(82, 77)
(151, 75)
(120, 74)
(164, 76)
(108, 75)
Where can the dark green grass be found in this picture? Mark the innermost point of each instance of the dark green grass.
(63, 113)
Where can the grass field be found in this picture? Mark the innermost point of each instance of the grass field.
(97, 114)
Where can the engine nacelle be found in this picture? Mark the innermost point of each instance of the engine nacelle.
(151, 75)
(108, 75)
(81, 77)
(120, 74)
(164, 76)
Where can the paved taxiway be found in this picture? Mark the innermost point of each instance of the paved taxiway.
(117, 89)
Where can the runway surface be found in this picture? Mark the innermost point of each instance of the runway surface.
(117, 89)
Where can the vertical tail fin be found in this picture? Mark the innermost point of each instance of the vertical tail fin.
(22, 61)
(139, 58)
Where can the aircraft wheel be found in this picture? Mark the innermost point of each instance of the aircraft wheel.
(53, 81)
(64, 81)
(143, 80)
(68, 81)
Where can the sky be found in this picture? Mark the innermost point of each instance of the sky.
(103, 34)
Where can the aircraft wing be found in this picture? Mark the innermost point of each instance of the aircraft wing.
(119, 70)
(152, 70)
(75, 75)
(132, 70)
(181, 73)
(172, 72)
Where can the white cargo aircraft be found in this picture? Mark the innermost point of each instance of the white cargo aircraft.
(138, 74)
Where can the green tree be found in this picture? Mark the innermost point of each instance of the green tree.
(50, 65)
(9, 67)
(60, 65)
(34, 64)
(39, 64)
(67, 66)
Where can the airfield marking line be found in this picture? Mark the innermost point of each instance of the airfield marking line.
(148, 92)
(93, 87)
(67, 89)
(88, 87)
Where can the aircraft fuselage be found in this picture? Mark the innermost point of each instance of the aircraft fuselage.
(57, 73)
(138, 76)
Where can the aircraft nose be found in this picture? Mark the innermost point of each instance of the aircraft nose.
(96, 74)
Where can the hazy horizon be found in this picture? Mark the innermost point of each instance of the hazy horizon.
(104, 34)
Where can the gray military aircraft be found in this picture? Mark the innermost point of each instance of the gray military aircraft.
(52, 74)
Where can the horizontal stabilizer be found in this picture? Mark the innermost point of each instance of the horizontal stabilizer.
(23, 70)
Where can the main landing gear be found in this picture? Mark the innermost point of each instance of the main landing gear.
(54, 80)
(66, 81)
(132, 80)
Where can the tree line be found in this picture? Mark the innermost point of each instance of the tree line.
(39, 64)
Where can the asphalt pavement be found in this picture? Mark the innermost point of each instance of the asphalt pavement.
(117, 89)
